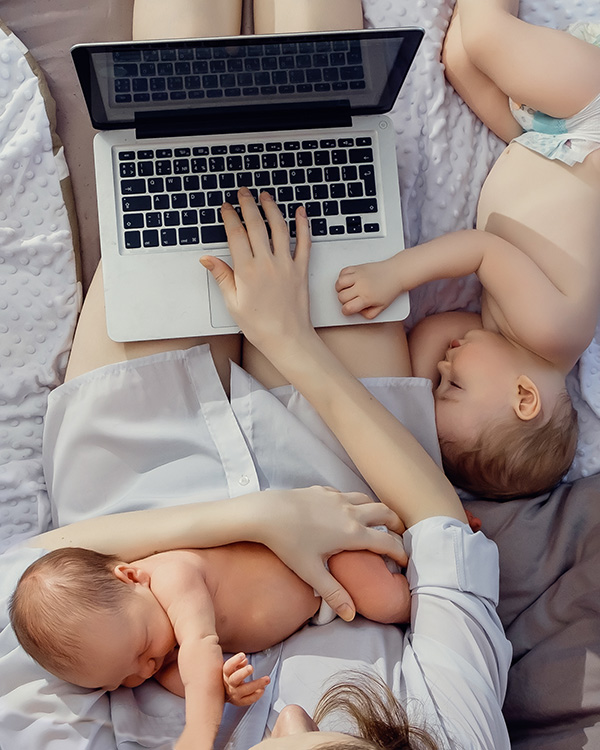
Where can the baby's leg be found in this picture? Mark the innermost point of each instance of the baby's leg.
(92, 347)
(546, 69)
(173, 19)
(378, 593)
(281, 16)
(478, 91)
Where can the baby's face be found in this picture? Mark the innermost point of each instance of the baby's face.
(477, 386)
(128, 647)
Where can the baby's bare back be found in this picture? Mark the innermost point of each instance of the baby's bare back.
(551, 212)
(258, 600)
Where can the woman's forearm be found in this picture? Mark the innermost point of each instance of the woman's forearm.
(396, 466)
(138, 534)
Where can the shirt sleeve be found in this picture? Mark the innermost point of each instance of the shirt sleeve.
(456, 640)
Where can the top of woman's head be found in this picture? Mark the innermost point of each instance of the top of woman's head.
(515, 458)
(55, 597)
(379, 718)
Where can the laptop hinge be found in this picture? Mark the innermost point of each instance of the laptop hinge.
(222, 120)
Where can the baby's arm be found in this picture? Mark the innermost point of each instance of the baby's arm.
(547, 315)
(181, 590)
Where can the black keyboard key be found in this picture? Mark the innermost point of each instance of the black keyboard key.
(163, 167)
(262, 179)
(349, 174)
(279, 177)
(216, 164)
(179, 200)
(133, 240)
(200, 165)
(302, 193)
(168, 237)
(181, 166)
(156, 185)
(191, 182)
(197, 200)
(146, 168)
(173, 184)
(150, 238)
(207, 216)
(251, 162)
(160, 201)
(164, 153)
(214, 198)
(320, 192)
(136, 203)
(331, 208)
(133, 187)
(133, 221)
(285, 194)
(337, 190)
(234, 163)
(208, 181)
(243, 179)
(314, 175)
(269, 161)
(360, 155)
(226, 180)
(373, 227)
(304, 159)
(367, 141)
(318, 227)
(189, 236)
(337, 229)
(127, 169)
(153, 219)
(354, 224)
(287, 159)
(172, 218)
(359, 206)
(339, 156)
(126, 155)
(200, 151)
(313, 208)
(213, 234)
(297, 176)
(355, 190)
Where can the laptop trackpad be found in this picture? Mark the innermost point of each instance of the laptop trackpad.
(219, 315)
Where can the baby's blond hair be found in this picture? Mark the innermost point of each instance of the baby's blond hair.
(55, 597)
(515, 458)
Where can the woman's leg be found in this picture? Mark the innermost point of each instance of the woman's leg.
(176, 19)
(546, 69)
(92, 347)
(281, 16)
(369, 351)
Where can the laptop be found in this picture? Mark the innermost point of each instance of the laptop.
(185, 123)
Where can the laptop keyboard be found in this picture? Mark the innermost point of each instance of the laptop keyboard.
(171, 197)
(195, 73)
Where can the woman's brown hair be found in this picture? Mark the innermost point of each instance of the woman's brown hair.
(380, 719)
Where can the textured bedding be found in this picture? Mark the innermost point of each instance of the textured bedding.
(549, 547)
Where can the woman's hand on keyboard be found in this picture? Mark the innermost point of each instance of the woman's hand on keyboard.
(266, 292)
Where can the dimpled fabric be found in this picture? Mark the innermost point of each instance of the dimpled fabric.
(38, 290)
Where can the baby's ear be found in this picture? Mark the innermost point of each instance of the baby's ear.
(528, 402)
(130, 574)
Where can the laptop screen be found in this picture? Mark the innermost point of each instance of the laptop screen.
(223, 81)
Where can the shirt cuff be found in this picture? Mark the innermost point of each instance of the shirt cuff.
(444, 552)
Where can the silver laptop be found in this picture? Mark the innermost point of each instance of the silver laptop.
(185, 123)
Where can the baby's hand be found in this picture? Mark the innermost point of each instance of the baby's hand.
(367, 289)
(239, 692)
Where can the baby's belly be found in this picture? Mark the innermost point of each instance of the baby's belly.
(528, 199)
(260, 601)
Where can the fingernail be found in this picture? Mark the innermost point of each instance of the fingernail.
(266, 196)
(346, 612)
(207, 262)
(244, 191)
(302, 212)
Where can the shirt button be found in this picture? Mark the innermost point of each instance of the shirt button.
(244, 480)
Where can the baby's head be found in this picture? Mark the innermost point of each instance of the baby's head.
(86, 618)
(506, 424)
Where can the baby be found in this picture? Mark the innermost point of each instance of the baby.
(506, 424)
(97, 622)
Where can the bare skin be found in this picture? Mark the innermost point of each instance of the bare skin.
(535, 249)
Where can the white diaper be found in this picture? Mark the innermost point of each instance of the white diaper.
(568, 139)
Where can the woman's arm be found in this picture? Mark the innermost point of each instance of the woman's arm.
(268, 296)
(303, 527)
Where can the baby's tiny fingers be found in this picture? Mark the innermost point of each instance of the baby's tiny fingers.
(234, 663)
(240, 675)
